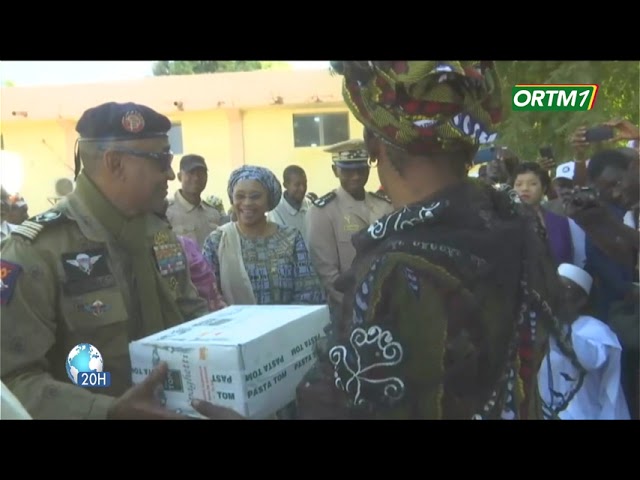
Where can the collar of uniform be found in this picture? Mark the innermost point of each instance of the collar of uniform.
(125, 230)
(343, 194)
(291, 209)
(185, 204)
(6, 228)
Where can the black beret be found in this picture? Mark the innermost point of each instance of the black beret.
(122, 121)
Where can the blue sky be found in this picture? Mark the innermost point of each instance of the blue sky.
(63, 72)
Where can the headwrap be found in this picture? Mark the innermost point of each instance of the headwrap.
(424, 106)
(263, 175)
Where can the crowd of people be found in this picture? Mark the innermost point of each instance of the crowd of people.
(513, 295)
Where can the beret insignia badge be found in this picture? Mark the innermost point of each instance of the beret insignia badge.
(133, 122)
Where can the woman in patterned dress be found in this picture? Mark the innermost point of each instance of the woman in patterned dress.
(451, 298)
(257, 261)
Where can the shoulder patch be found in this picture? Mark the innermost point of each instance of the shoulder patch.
(9, 273)
(324, 200)
(381, 196)
(32, 227)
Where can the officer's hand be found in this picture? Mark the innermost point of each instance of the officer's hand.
(215, 412)
(140, 401)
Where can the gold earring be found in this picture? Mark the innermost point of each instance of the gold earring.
(372, 162)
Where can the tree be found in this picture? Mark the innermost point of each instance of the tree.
(526, 132)
(188, 67)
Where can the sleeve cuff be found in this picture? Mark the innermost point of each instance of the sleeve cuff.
(100, 407)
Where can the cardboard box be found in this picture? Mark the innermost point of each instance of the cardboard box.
(246, 357)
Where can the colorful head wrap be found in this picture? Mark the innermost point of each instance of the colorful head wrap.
(424, 106)
(263, 175)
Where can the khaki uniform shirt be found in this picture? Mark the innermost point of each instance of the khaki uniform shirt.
(193, 221)
(11, 408)
(284, 214)
(65, 282)
(331, 222)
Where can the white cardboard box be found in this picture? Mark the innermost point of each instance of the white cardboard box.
(246, 357)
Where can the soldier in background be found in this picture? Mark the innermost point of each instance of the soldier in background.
(293, 205)
(188, 214)
(98, 268)
(335, 217)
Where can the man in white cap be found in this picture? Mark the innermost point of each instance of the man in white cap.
(562, 185)
(598, 350)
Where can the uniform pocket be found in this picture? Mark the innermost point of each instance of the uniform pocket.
(94, 310)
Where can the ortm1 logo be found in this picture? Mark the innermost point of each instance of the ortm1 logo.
(84, 367)
(554, 98)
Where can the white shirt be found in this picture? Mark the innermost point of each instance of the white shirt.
(629, 219)
(579, 247)
(287, 215)
(598, 351)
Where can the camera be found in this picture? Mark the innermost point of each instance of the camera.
(584, 197)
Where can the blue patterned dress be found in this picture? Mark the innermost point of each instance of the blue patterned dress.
(278, 267)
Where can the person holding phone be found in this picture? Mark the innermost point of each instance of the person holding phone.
(566, 241)
(598, 136)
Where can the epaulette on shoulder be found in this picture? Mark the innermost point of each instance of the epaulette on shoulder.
(324, 200)
(32, 227)
(381, 196)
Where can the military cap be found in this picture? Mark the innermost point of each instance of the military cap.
(121, 121)
(349, 154)
(189, 162)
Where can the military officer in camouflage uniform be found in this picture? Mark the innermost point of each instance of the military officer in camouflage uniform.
(98, 268)
(335, 217)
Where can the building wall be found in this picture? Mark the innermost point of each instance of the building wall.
(226, 138)
(207, 134)
(46, 153)
(269, 141)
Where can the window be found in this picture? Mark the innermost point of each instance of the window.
(320, 129)
(175, 138)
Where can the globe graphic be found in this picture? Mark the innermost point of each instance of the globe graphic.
(84, 357)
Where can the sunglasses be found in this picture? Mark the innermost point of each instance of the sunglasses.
(164, 159)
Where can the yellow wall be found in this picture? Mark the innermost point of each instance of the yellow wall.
(268, 135)
(46, 149)
(206, 134)
(225, 138)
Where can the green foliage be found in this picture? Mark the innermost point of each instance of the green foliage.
(525, 132)
(188, 67)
